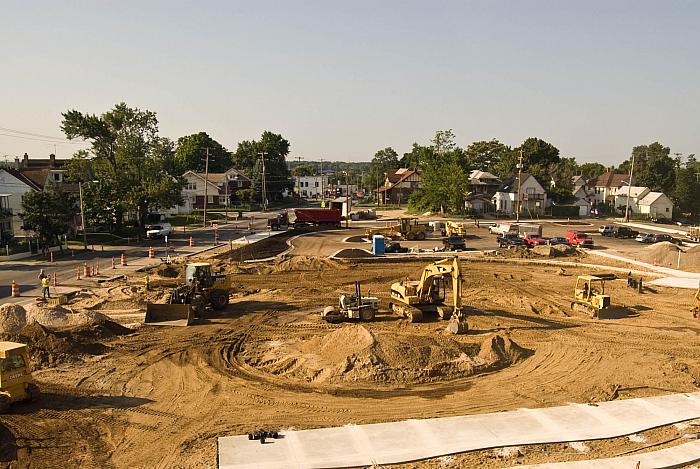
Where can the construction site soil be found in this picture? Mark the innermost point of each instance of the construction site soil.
(159, 397)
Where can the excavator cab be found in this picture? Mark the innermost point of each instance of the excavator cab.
(16, 382)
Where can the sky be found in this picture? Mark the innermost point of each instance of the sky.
(343, 79)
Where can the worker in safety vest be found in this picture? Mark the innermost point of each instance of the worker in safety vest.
(45, 288)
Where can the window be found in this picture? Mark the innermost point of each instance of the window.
(210, 199)
(12, 362)
(666, 209)
(316, 183)
(191, 186)
(57, 177)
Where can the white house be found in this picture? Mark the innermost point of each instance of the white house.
(656, 205)
(311, 186)
(483, 187)
(635, 193)
(532, 195)
(605, 187)
(13, 184)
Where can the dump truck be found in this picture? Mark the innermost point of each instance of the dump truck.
(413, 299)
(354, 306)
(279, 223)
(16, 381)
(589, 295)
(317, 217)
(188, 302)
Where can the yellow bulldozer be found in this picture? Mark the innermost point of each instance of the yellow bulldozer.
(188, 302)
(589, 295)
(407, 228)
(16, 381)
(453, 228)
(413, 299)
(696, 308)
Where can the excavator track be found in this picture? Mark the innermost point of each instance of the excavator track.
(411, 313)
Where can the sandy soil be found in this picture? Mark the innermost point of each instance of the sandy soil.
(159, 397)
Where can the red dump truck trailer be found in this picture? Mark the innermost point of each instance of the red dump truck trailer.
(317, 216)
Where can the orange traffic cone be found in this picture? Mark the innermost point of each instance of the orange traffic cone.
(114, 266)
(15, 289)
(151, 254)
(122, 260)
(191, 241)
(86, 270)
(97, 267)
(53, 278)
(77, 274)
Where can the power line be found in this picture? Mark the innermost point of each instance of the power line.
(55, 142)
(5, 129)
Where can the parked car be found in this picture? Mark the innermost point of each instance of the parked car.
(658, 238)
(558, 240)
(533, 240)
(662, 221)
(503, 228)
(454, 243)
(622, 232)
(158, 231)
(605, 229)
(684, 223)
(395, 248)
(509, 240)
(579, 239)
(645, 238)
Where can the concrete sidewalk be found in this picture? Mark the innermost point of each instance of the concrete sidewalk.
(385, 443)
(661, 229)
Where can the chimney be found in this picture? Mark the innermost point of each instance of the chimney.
(52, 160)
(25, 161)
(16, 162)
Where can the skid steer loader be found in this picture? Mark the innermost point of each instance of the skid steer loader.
(188, 302)
(353, 306)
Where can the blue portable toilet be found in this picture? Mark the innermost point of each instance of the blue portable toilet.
(378, 245)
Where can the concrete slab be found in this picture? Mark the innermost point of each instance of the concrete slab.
(384, 443)
(676, 456)
(676, 282)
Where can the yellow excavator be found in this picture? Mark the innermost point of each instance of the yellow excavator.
(696, 308)
(589, 295)
(413, 299)
(407, 228)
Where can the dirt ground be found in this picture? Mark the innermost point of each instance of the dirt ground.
(159, 397)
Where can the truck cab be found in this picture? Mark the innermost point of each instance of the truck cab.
(16, 381)
(579, 239)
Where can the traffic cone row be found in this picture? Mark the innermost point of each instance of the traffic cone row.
(15, 289)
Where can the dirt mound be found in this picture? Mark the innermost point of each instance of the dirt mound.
(356, 239)
(12, 318)
(301, 263)
(168, 271)
(354, 354)
(666, 254)
(353, 254)
(58, 316)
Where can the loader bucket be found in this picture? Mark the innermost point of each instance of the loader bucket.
(168, 315)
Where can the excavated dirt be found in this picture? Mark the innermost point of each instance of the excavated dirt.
(12, 318)
(159, 397)
(352, 254)
(666, 254)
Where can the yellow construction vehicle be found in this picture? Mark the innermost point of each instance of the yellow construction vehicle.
(16, 382)
(589, 295)
(407, 228)
(696, 308)
(353, 306)
(453, 228)
(413, 299)
(187, 302)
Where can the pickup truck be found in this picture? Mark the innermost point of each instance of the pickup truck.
(509, 240)
(533, 240)
(160, 230)
(622, 232)
(579, 239)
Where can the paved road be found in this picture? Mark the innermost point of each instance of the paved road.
(25, 272)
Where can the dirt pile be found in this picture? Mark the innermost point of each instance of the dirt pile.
(168, 270)
(353, 254)
(354, 354)
(666, 254)
(305, 263)
(12, 318)
(49, 347)
(356, 239)
(58, 316)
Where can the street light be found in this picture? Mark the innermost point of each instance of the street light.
(82, 211)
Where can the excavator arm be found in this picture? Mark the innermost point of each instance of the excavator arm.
(441, 269)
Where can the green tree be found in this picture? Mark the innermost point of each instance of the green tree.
(591, 170)
(304, 169)
(134, 166)
(653, 167)
(191, 154)
(384, 159)
(538, 155)
(47, 214)
(490, 156)
(274, 149)
(412, 159)
(686, 194)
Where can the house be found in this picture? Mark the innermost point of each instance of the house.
(398, 186)
(483, 187)
(532, 196)
(6, 214)
(605, 187)
(219, 188)
(13, 185)
(583, 196)
(635, 194)
(656, 205)
(311, 186)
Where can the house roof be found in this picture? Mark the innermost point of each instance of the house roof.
(510, 185)
(24, 179)
(575, 179)
(38, 176)
(395, 176)
(650, 198)
(609, 179)
(634, 191)
(216, 178)
(476, 174)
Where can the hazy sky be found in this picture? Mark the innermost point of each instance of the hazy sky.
(341, 80)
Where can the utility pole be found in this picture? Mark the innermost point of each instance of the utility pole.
(264, 183)
(629, 191)
(298, 177)
(520, 173)
(206, 187)
(82, 214)
(347, 200)
(323, 192)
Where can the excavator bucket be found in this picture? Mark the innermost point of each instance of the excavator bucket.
(458, 325)
(169, 315)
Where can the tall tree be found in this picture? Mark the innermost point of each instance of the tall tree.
(191, 154)
(274, 149)
(686, 194)
(134, 165)
(538, 155)
(492, 156)
(47, 213)
(384, 159)
(591, 170)
(304, 169)
(653, 167)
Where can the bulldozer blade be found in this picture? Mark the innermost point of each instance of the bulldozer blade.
(168, 315)
(458, 325)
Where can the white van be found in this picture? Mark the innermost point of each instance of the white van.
(160, 230)
(503, 228)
